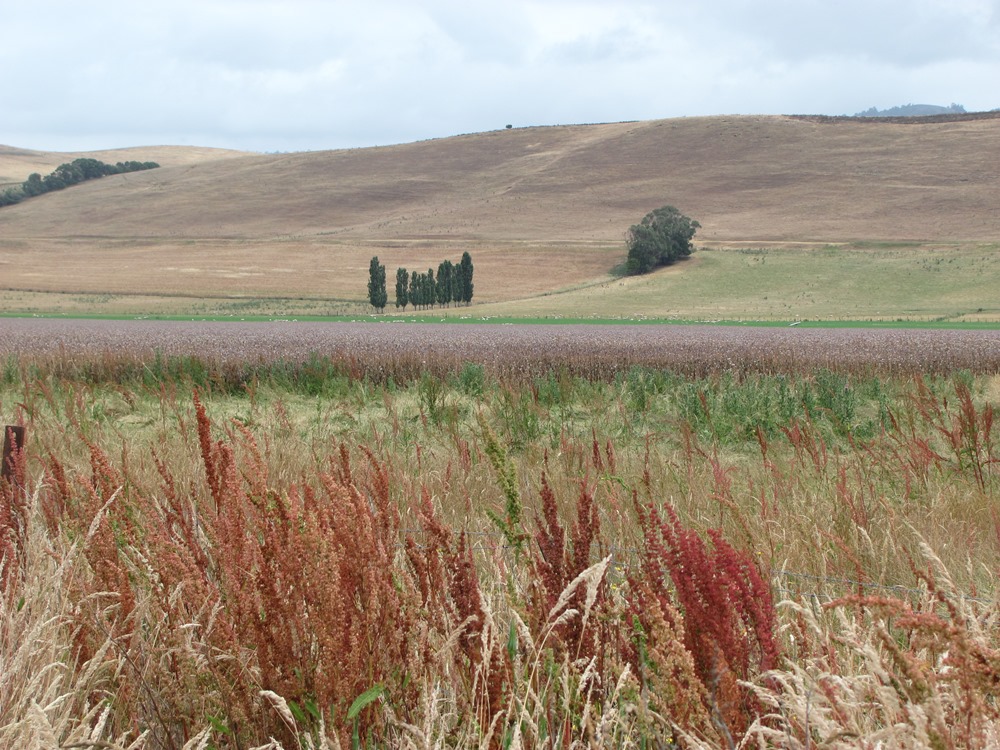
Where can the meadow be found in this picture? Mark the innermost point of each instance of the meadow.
(309, 553)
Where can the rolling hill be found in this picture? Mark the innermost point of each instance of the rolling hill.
(542, 210)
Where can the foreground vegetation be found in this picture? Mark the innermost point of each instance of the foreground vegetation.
(309, 557)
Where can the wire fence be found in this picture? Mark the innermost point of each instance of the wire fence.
(786, 584)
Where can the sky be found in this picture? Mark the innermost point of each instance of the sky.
(301, 75)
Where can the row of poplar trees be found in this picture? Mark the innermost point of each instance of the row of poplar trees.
(452, 285)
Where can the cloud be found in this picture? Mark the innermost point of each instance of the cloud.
(266, 75)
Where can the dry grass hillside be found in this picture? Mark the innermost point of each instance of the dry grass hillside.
(214, 223)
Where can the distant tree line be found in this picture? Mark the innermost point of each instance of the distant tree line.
(913, 110)
(65, 175)
(451, 285)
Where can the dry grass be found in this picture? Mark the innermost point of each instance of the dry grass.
(558, 198)
(188, 567)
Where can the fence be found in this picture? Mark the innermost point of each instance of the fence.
(786, 584)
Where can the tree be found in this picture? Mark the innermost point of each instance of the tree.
(465, 269)
(456, 284)
(430, 288)
(443, 286)
(376, 285)
(415, 290)
(402, 288)
(662, 237)
(33, 185)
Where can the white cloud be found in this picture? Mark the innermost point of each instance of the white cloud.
(268, 75)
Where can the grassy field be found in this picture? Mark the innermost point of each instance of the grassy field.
(309, 558)
(920, 284)
(831, 282)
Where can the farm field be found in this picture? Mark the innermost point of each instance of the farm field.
(355, 550)
(802, 218)
(380, 349)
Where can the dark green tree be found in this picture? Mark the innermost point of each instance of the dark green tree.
(465, 270)
(12, 195)
(91, 169)
(376, 285)
(443, 285)
(661, 238)
(415, 290)
(402, 288)
(456, 284)
(430, 288)
(33, 185)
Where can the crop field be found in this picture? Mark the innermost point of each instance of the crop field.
(384, 350)
(392, 535)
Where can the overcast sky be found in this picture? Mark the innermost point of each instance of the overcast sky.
(294, 75)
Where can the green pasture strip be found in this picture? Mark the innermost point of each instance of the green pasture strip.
(510, 320)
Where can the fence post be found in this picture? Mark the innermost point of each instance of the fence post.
(13, 439)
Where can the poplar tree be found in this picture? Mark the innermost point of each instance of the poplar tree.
(415, 296)
(376, 285)
(430, 290)
(402, 288)
(466, 272)
(443, 286)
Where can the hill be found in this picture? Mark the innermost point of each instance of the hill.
(541, 209)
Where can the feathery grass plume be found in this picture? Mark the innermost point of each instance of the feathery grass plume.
(728, 611)
(909, 673)
(482, 654)
(48, 698)
(553, 695)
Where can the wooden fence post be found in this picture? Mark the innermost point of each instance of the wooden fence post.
(13, 439)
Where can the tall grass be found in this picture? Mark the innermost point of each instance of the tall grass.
(321, 560)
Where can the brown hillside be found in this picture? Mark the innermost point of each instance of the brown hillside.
(307, 223)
